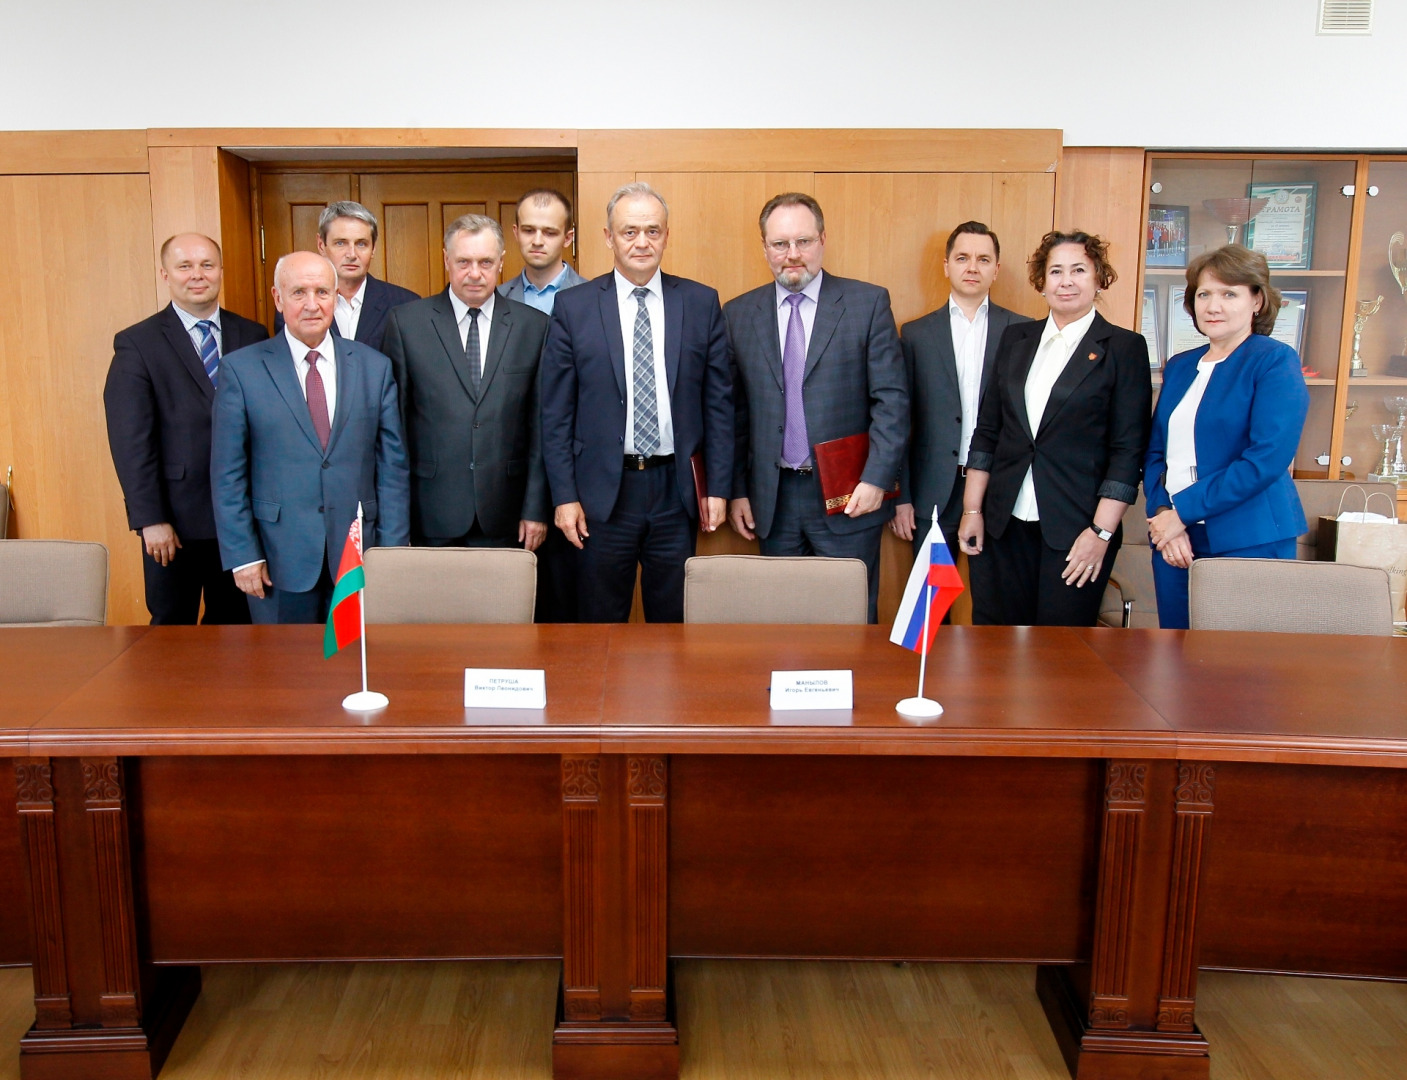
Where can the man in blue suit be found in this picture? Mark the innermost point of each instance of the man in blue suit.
(347, 234)
(635, 381)
(305, 426)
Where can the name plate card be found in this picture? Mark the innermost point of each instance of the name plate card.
(812, 690)
(505, 688)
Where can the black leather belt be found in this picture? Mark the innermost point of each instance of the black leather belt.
(639, 463)
(802, 470)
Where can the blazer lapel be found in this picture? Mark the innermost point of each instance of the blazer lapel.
(1088, 355)
(500, 329)
(766, 331)
(374, 306)
(997, 322)
(610, 324)
(673, 331)
(278, 361)
(448, 331)
(175, 333)
(829, 312)
(1020, 371)
(345, 379)
(947, 366)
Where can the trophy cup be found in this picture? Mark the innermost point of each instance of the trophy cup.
(1397, 262)
(1235, 212)
(1362, 312)
(1384, 433)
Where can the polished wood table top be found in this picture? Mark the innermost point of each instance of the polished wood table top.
(634, 688)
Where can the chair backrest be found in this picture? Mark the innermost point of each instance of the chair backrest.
(53, 583)
(1321, 498)
(1289, 596)
(775, 589)
(450, 585)
(1132, 578)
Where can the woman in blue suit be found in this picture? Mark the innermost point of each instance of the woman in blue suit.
(1225, 432)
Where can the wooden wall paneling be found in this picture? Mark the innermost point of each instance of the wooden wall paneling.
(936, 150)
(1023, 210)
(30, 153)
(86, 273)
(594, 190)
(1100, 190)
(237, 235)
(34, 799)
(289, 205)
(377, 138)
(14, 925)
(185, 197)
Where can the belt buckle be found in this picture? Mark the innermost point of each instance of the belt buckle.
(637, 462)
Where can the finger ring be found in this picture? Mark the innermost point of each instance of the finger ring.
(1091, 566)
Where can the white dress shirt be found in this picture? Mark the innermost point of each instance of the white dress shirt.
(327, 368)
(348, 312)
(1054, 352)
(1182, 439)
(461, 317)
(654, 305)
(969, 347)
(193, 331)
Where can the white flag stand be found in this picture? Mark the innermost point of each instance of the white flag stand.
(363, 700)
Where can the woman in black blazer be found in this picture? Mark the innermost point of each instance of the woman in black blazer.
(1058, 450)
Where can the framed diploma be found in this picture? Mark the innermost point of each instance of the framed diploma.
(1182, 331)
(1151, 330)
(1166, 241)
(1289, 324)
(1284, 230)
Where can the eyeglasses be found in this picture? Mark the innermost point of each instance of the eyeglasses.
(803, 244)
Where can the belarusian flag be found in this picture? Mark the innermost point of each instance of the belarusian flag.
(344, 615)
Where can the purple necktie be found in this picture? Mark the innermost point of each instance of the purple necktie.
(317, 399)
(795, 447)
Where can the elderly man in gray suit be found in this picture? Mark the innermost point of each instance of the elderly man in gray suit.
(544, 231)
(466, 363)
(950, 354)
(816, 357)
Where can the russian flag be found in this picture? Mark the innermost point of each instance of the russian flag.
(935, 575)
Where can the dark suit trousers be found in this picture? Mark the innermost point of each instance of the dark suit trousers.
(949, 517)
(799, 528)
(557, 575)
(174, 590)
(473, 538)
(649, 528)
(1016, 581)
(281, 606)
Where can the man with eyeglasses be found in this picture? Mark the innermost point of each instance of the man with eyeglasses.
(815, 358)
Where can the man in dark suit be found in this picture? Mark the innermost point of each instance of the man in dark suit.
(816, 357)
(158, 396)
(306, 427)
(950, 356)
(347, 234)
(634, 382)
(466, 366)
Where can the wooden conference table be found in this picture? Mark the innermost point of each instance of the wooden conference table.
(1119, 807)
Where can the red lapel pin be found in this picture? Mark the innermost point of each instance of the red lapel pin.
(1094, 356)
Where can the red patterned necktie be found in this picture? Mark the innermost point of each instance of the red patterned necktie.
(317, 399)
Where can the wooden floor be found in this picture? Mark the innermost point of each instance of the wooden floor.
(758, 1020)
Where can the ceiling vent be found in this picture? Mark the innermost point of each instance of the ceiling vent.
(1345, 16)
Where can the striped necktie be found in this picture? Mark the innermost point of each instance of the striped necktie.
(209, 350)
(647, 414)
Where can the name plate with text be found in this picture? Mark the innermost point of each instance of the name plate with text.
(812, 690)
(505, 688)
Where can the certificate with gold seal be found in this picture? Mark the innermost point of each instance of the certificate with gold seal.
(1283, 231)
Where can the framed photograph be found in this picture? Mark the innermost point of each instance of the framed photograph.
(1289, 324)
(1283, 231)
(1166, 241)
(1152, 332)
(1182, 331)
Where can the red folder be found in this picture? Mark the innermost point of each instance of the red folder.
(839, 464)
(696, 462)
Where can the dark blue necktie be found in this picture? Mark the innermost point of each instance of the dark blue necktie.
(209, 350)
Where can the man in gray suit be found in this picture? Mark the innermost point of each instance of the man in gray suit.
(816, 357)
(950, 355)
(544, 231)
(466, 364)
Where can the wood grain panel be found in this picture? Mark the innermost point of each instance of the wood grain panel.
(1100, 189)
(802, 149)
(14, 924)
(594, 190)
(342, 858)
(892, 857)
(39, 152)
(86, 273)
(1023, 210)
(409, 138)
(185, 197)
(408, 254)
(34, 800)
(713, 235)
(241, 283)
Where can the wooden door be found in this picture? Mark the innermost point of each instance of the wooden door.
(414, 208)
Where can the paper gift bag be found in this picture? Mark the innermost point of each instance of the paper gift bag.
(1369, 539)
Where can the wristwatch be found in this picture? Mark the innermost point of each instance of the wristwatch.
(1103, 534)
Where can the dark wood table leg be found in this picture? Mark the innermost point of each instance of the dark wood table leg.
(615, 1017)
(1129, 1012)
(100, 1011)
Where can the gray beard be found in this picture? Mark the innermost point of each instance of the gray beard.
(806, 278)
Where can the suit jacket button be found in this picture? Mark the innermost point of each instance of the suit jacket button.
(780, 429)
(471, 466)
(955, 453)
(327, 464)
(319, 509)
(478, 424)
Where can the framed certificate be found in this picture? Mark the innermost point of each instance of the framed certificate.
(1165, 243)
(1182, 331)
(1283, 231)
(1289, 324)
(1152, 332)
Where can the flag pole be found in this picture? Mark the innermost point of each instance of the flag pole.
(365, 700)
(361, 606)
(921, 708)
(922, 653)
